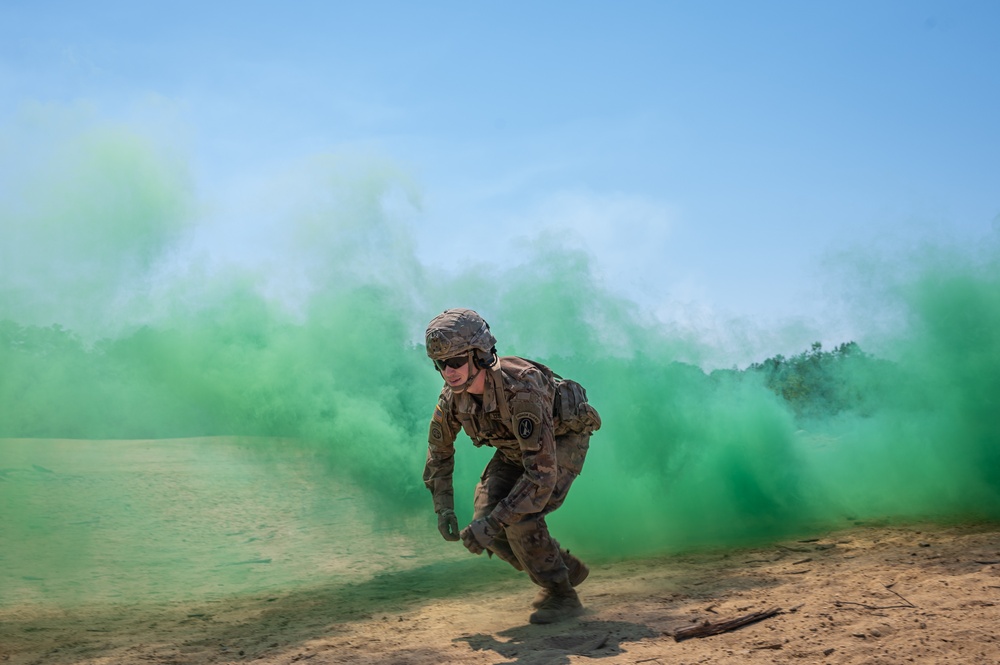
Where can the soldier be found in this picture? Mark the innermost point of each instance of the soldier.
(540, 425)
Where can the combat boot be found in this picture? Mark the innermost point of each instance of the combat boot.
(577, 570)
(561, 602)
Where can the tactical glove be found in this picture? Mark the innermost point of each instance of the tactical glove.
(480, 534)
(448, 524)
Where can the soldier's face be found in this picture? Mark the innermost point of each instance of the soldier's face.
(455, 376)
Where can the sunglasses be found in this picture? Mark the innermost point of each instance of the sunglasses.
(454, 363)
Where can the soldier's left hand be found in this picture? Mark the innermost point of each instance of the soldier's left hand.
(480, 534)
(448, 524)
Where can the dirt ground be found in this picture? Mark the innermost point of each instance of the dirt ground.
(882, 594)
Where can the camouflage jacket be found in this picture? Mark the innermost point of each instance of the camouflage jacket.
(531, 392)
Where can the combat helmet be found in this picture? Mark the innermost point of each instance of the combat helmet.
(459, 331)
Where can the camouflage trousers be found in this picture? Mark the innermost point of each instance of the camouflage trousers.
(527, 544)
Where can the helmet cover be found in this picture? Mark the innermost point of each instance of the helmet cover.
(456, 331)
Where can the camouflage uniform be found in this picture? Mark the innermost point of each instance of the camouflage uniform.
(532, 469)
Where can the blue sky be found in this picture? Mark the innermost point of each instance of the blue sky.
(709, 155)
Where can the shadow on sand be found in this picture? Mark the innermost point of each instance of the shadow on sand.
(555, 644)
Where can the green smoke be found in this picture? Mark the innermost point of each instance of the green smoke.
(306, 368)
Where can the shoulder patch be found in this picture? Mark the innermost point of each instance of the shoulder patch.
(527, 422)
(525, 428)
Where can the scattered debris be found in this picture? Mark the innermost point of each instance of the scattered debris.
(777, 645)
(888, 587)
(707, 628)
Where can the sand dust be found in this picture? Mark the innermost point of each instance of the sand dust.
(870, 594)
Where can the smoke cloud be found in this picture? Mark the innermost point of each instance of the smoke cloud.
(306, 361)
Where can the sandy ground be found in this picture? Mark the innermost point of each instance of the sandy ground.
(870, 594)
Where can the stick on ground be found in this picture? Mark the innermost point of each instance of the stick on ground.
(707, 628)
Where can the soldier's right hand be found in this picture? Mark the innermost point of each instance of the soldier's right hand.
(448, 524)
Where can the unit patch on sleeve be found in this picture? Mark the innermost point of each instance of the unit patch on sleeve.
(527, 422)
(525, 428)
